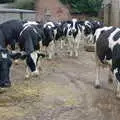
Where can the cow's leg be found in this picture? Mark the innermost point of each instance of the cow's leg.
(76, 46)
(118, 90)
(62, 43)
(97, 81)
(39, 64)
(41, 46)
(16, 61)
(70, 46)
(90, 39)
(116, 83)
(110, 75)
(27, 74)
(51, 50)
(85, 41)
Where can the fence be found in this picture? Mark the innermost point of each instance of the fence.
(9, 14)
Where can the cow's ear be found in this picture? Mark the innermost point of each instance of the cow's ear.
(41, 55)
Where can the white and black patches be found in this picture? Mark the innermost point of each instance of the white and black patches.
(32, 61)
(30, 23)
(73, 32)
(100, 31)
(103, 50)
(116, 36)
(112, 42)
(89, 30)
(49, 36)
(108, 48)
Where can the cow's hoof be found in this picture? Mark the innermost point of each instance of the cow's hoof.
(49, 58)
(97, 86)
(2, 90)
(35, 74)
(110, 80)
(16, 62)
(56, 54)
(27, 77)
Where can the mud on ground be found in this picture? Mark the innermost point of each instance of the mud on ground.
(63, 91)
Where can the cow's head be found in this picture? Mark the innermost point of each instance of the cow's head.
(88, 28)
(73, 25)
(49, 35)
(59, 28)
(32, 60)
(5, 65)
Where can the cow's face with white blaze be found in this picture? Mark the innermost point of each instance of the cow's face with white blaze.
(32, 62)
(73, 25)
(5, 65)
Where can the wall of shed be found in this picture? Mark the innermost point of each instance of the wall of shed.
(112, 12)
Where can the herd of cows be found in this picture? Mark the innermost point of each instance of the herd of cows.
(30, 40)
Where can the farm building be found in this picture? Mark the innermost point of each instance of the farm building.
(111, 12)
(51, 8)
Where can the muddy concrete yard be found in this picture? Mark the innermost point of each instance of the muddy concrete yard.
(63, 91)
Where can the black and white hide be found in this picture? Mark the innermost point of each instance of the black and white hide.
(6, 58)
(9, 33)
(89, 28)
(108, 53)
(28, 42)
(73, 32)
(48, 42)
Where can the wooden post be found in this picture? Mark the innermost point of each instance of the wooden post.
(21, 15)
(115, 16)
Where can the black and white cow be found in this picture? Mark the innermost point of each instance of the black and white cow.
(28, 41)
(5, 65)
(89, 28)
(52, 32)
(73, 32)
(108, 52)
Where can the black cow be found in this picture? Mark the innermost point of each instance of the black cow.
(9, 32)
(89, 28)
(108, 52)
(5, 65)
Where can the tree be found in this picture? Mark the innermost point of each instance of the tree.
(84, 6)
